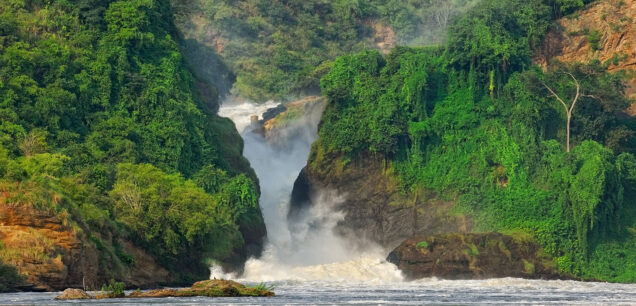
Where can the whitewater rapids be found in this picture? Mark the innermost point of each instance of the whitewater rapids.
(311, 265)
(309, 250)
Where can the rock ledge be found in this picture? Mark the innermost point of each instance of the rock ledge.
(473, 256)
(209, 288)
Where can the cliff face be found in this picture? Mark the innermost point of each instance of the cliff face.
(303, 115)
(473, 256)
(606, 31)
(54, 255)
(375, 209)
(61, 222)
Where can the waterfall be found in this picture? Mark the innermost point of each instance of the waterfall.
(310, 250)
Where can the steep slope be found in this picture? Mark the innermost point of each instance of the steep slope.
(54, 255)
(113, 163)
(605, 31)
(467, 138)
(276, 48)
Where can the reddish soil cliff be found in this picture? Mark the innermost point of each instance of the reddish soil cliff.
(606, 30)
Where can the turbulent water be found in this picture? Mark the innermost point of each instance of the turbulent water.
(308, 250)
(429, 291)
(307, 264)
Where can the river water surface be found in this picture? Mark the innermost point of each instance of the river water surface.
(308, 264)
(430, 291)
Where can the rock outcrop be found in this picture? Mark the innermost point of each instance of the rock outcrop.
(209, 288)
(302, 116)
(53, 255)
(375, 209)
(384, 37)
(473, 256)
(74, 294)
(606, 30)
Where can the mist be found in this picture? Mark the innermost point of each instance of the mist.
(308, 249)
(435, 20)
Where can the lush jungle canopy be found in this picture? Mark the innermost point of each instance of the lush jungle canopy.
(475, 123)
(100, 121)
(103, 121)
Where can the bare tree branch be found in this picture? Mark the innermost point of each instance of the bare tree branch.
(578, 92)
(568, 110)
(556, 96)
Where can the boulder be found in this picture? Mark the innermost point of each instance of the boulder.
(209, 288)
(74, 294)
(473, 256)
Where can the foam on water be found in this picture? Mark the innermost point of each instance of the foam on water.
(240, 111)
(427, 291)
(309, 264)
(308, 250)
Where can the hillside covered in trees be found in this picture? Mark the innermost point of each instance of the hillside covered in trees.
(280, 49)
(469, 136)
(114, 164)
(103, 130)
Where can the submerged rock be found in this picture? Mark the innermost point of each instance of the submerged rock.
(473, 256)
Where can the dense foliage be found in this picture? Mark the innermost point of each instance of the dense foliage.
(473, 122)
(279, 49)
(97, 111)
(9, 277)
(276, 48)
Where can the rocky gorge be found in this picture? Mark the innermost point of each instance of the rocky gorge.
(449, 158)
(379, 209)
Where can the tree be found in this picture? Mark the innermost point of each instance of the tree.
(33, 143)
(568, 109)
(604, 93)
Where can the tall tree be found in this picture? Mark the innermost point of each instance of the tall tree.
(602, 93)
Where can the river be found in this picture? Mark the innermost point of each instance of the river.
(310, 265)
(429, 291)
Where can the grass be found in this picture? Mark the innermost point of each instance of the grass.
(594, 38)
(114, 288)
(528, 267)
(421, 245)
(31, 245)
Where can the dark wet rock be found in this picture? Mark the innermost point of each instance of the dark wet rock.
(473, 256)
(301, 195)
(375, 207)
(273, 112)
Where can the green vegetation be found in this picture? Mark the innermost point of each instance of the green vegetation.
(102, 122)
(262, 287)
(473, 122)
(594, 38)
(421, 245)
(281, 48)
(9, 277)
(114, 288)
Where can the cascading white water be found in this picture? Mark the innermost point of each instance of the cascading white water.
(311, 265)
(312, 251)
